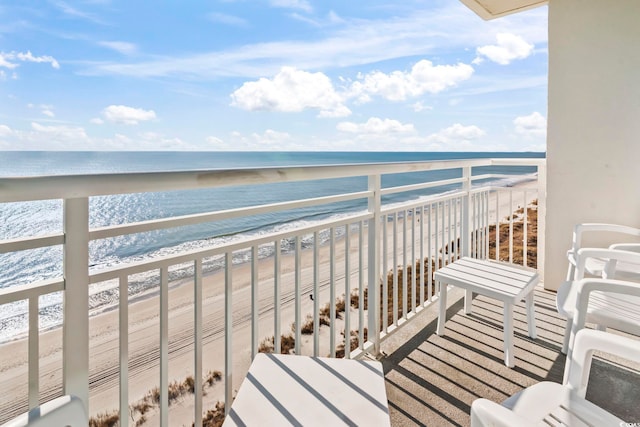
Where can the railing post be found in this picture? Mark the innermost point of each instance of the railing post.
(373, 289)
(466, 218)
(75, 337)
(542, 210)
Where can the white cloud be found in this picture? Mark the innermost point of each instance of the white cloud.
(292, 4)
(376, 126)
(97, 121)
(424, 77)
(508, 47)
(456, 135)
(7, 59)
(215, 141)
(533, 125)
(419, 106)
(355, 42)
(5, 130)
(127, 115)
(45, 109)
(124, 48)
(226, 19)
(60, 132)
(291, 90)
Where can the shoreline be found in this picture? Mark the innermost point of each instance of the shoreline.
(144, 332)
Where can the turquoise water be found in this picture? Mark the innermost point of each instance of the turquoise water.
(45, 217)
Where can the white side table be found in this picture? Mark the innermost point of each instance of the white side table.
(310, 391)
(501, 281)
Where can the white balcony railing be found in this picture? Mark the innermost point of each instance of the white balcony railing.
(365, 254)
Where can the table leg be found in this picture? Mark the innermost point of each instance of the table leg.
(468, 300)
(509, 358)
(531, 318)
(442, 308)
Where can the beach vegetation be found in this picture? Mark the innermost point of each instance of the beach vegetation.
(213, 417)
(105, 419)
(287, 345)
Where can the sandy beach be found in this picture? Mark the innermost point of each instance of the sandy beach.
(144, 331)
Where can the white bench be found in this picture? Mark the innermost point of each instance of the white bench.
(310, 391)
(501, 281)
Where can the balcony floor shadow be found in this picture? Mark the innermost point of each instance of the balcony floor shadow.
(432, 380)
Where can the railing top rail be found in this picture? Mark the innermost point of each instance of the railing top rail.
(14, 189)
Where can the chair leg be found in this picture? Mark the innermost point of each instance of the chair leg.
(531, 315)
(567, 336)
(442, 308)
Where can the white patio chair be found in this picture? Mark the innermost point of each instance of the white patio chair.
(60, 412)
(556, 404)
(612, 304)
(595, 266)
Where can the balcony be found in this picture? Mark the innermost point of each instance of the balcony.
(176, 349)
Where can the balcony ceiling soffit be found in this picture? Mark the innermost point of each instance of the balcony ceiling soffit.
(490, 9)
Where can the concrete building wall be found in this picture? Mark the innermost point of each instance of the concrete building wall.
(593, 140)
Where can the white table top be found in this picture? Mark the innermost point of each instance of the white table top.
(498, 280)
(282, 390)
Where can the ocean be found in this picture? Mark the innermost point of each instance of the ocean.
(45, 217)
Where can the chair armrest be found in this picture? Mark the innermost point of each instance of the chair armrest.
(610, 256)
(610, 228)
(60, 412)
(588, 341)
(485, 413)
(630, 247)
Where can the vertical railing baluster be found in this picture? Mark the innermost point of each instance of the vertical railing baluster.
(465, 232)
(421, 255)
(395, 269)
(361, 285)
(197, 338)
(443, 227)
(276, 298)
(316, 294)
(347, 293)
(497, 225)
(164, 346)
(437, 234)
(332, 292)
(525, 236)
(298, 291)
(455, 229)
(486, 225)
(75, 332)
(430, 257)
(510, 225)
(449, 233)
(255, 302)
(385, 273)
(34, 352)
(228, 332)
(123, 340)
(413, 260)
(405, 297)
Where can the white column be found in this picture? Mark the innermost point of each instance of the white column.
(593, 147)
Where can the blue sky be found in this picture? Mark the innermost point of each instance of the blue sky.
(417, 75)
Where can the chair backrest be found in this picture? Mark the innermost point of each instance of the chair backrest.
(611, 256)
(587, 342)
(580, 229)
